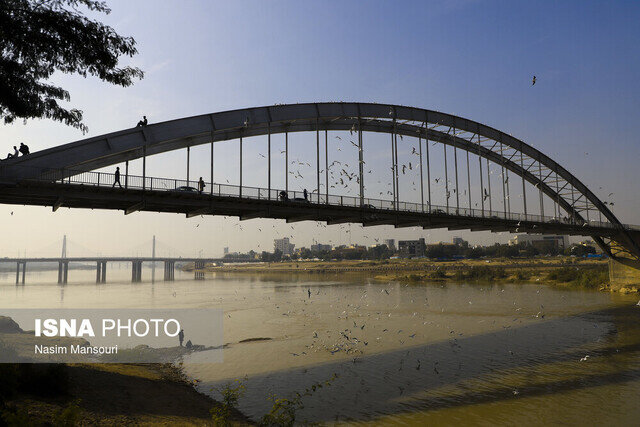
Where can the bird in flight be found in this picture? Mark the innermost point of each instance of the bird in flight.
(533, 81)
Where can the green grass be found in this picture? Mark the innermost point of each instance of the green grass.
(480, 273)
(590, 278)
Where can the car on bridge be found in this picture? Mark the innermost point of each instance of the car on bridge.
(185, 189)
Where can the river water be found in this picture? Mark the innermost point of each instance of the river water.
(477, 354)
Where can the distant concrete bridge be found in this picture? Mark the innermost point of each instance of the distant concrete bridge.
(63, 175)
(101, 266)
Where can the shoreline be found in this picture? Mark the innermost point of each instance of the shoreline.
(553, 271)
(101, 393)
(117, 394)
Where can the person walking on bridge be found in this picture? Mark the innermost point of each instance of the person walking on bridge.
(116, 178)
(201, 185)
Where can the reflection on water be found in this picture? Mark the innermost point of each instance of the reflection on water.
(481, 354)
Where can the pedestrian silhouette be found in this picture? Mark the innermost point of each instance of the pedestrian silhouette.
(283, 196)
(24, 149)
(142, 122)
(201, 185)
(189, 344)
(16, 153)
(116, 178)
(181, 336)
(305, 194)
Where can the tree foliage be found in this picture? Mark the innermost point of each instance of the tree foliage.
(40, 37)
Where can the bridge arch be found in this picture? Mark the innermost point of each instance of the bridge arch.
(484, 141)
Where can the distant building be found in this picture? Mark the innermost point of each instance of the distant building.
(391, 244)
(283, 246)
(348, 251)
(541, 241)
(319, 247)
(412, 248)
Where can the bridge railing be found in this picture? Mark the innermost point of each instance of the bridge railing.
(108, 179)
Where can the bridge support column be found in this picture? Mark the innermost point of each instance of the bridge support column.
(103, 278)
(24, 269)
(169, 271)
(98, 267)
(65, 275)
(199, 270)
(59, 271)
(136, 271)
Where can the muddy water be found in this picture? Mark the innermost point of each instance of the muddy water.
(437, 354)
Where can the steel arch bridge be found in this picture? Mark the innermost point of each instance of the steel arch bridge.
(62, 175)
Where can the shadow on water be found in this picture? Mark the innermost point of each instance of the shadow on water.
(531, 360)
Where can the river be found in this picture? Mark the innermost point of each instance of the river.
(398, 354)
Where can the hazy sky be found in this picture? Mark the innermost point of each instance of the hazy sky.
(470, 58)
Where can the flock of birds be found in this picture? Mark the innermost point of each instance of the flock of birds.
(377, 320)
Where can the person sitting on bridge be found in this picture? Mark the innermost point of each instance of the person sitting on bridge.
(201, 185)
(24, 149)
(116, 178)
(142, 122)
(283, 196)
(16, 153)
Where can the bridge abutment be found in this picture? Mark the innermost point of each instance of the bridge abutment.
(623, 276)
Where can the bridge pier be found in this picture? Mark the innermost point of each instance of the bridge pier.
(101, 272)
(169, 270)
(24, 269)
(198, 270)
(63, 271)
(136, 271)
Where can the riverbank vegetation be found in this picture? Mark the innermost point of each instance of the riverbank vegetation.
(561, 270)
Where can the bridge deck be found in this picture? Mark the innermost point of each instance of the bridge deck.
(93, 190)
